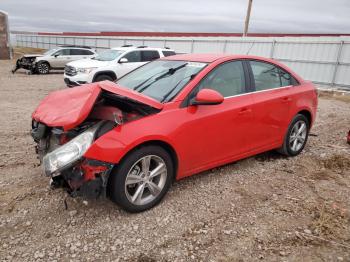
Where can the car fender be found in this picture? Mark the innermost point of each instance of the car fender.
(41, 60)
(112, 147)
(102, 72)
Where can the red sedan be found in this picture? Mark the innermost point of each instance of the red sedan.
(167, 120)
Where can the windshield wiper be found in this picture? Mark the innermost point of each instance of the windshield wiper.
(171, 90)
(170, 71)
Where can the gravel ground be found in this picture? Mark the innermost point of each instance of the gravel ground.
(266, 207)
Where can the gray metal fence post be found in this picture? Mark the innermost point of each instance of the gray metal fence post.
(339, 53)
(272, 48)
(192, 45)
(225, 45)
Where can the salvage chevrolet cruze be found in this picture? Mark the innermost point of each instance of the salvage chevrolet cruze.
(169, 119)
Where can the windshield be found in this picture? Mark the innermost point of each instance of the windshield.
(161, 80)
(48, 52)
(108, 55)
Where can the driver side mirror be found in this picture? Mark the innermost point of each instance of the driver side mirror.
(123, 60)
(56, 55)
(207, 96)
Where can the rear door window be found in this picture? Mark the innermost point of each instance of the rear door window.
(168, 53)
(80, 52)
(268, 76)
(149, 55)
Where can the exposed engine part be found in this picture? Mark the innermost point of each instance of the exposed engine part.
(88, 179)
(25, 62)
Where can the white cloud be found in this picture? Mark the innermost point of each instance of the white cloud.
(298, 16)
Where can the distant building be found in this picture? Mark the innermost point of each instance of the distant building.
(5, 46)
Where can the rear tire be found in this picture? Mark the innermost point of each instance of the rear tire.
(296, 137)
(43, 68)
(142, 179)
(103, 78)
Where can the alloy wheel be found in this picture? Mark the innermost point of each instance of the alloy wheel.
(298, 135)
(43, 68)
(145, 180)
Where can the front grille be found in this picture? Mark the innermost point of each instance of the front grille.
(70, 70)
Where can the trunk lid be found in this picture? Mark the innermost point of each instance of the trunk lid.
(70, 107)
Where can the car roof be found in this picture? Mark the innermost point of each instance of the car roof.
(126, 48)
(209, 58)
(73, 47)
(218, 58)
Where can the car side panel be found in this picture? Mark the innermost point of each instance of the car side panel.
(304, 97)
(197, 136)
(271, 116)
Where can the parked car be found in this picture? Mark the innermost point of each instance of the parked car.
(53, 59)
(169, 119)
(111, 64)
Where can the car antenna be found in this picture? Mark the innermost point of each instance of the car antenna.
(250, 48)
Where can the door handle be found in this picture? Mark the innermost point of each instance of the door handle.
(244, 110)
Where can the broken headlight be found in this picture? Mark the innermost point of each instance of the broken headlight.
(67, 154)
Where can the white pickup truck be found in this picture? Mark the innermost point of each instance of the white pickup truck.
(111, 64)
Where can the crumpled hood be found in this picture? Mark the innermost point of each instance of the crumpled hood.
(32, 55)
(68, 108)
(88, 63)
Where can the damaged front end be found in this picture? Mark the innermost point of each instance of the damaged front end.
(61, 154)
(26, 62)
(68, 122)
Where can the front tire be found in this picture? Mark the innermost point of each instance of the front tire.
(103, 78)
(43, 68)
(296, 137)
(141, 179)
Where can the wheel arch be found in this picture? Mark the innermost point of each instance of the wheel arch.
(307, 114)
(43, 61)
(165, 145)
(105, 72)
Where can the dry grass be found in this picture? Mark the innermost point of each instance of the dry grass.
(19, 51)
(330, 220)
(341, 96)
(337, 162)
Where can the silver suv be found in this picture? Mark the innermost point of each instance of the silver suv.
(55, 58)
(59, 57)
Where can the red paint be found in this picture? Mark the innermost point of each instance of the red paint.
(204, 136)
(90, 172)
(68, 108)
(209, 96)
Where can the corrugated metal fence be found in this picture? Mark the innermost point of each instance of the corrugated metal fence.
(325, 61)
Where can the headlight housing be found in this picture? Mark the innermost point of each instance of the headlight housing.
(86, 70)
(69, 153)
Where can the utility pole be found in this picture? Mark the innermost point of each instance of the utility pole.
(246, 24)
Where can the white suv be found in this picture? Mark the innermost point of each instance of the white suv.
(111, 64)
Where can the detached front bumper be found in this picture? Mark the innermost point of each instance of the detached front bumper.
(87, 178)
(77, 79)
(71, 83)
